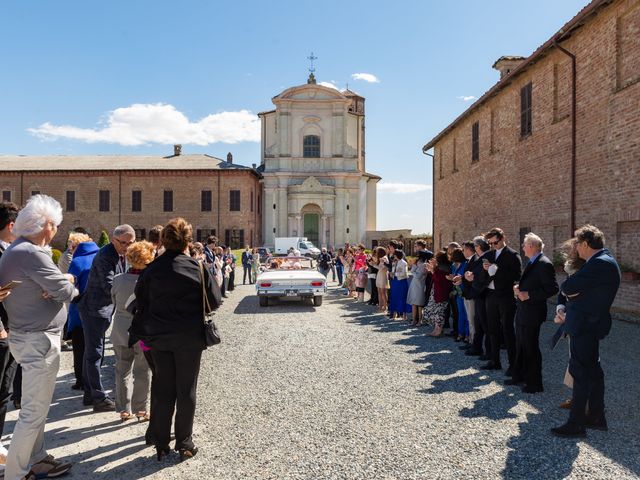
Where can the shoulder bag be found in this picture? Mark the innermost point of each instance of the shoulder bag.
(211, 334)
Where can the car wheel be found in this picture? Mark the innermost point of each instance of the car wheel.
(264, 301)
(317, 300)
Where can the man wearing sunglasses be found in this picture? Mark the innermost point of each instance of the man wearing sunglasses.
(502, 269)
(96, 311)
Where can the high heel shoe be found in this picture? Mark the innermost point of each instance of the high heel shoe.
(187, 453)
(161, 453)
(142, 417)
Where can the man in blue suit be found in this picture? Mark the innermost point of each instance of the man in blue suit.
(590, 291)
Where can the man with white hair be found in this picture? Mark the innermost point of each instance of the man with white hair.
(96, 311)
(537, 283)
(37, 312)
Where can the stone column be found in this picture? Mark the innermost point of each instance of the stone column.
(323, 233)
(298, 226)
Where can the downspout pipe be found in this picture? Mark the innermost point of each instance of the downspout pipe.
(573, 132)
(433, 197)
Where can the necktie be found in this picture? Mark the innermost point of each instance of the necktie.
(122, 263)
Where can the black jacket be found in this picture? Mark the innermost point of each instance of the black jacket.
(3, 313)
(169, 303)
(539, 281)
(508, 274)
(592, 290)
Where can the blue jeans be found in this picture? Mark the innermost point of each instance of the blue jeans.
(95, 328)
(340, 271)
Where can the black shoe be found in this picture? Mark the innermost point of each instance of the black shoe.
(569, 430)
(77, 386)
(466, 346)
(472, 352)
(162, 453)
(513, 381)
(451, 334)
(532, 389)
(491, 366)
(509, 372)
(104, 405)
(87, 400)
(597, 423)
(187, 453)
(485, 358)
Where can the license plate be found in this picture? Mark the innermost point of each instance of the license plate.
(291, 293)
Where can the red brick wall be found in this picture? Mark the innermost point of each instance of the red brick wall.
(186, 186)
(525, 182)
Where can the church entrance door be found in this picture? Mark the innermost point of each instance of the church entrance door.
(312, 228)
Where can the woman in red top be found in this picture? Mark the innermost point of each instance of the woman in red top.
(434, 314)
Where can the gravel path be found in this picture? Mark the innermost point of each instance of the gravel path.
(340, 392)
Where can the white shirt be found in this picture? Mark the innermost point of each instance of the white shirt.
(494, 268)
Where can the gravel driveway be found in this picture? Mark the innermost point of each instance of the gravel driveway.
(341, 392)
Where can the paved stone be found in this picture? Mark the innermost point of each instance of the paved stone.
(341, 392)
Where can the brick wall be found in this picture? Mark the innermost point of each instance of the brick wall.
(186, 186)
(524, 183)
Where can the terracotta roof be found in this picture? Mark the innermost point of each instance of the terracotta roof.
(565, 32)
(63, 163)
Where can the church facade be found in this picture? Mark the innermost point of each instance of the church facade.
(313, 165)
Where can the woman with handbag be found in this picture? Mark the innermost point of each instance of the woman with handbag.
(171, 296)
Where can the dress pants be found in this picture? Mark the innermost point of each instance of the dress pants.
(94, 328)
(246, 271)
(232, 280)
(501, 311)
(480, 326)
(453, 304)
(8, 367)
(588, 378)
(470, 306)
(174, 388)
(340, 272)
(77, 338)
(528, 361)
(374, 291)
(132, 370)
(39, 355)
(148, 436)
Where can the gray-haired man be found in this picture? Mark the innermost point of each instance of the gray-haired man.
(96, 311)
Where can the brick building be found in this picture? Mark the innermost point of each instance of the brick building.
(526, 158)
(100, 192)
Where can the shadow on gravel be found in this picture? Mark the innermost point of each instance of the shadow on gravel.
(533, 452)
(250, 304)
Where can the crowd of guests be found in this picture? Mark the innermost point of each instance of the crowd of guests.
(151, 294)
(491, 300)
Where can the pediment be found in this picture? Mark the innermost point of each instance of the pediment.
(311, 185)
(310, 92)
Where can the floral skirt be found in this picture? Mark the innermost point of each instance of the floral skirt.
(435, 311)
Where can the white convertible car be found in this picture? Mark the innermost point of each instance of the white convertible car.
(291, 277)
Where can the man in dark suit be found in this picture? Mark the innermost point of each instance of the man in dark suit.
(247, 259)
(96, 310)
(501, 271)
(474, 288)
(590, 291)
(538, 282)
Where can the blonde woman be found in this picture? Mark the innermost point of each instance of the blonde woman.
(132, 369)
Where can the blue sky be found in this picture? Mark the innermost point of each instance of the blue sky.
(67, 65)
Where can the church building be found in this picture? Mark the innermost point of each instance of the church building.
(313, 165)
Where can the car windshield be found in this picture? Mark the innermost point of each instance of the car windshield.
(291, 263)
(306, 245)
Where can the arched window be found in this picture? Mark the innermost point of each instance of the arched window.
(311, 144)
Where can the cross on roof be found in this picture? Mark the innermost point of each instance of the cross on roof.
(311, 58)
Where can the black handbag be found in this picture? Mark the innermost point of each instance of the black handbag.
(211, 334)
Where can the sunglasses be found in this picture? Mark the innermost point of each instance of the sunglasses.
(494, 243)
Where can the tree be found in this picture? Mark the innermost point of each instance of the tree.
(104, 239)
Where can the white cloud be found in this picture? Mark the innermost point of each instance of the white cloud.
(466, 98)
(367, 77)
(141, 124)
(403, 187)
(329, 84)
